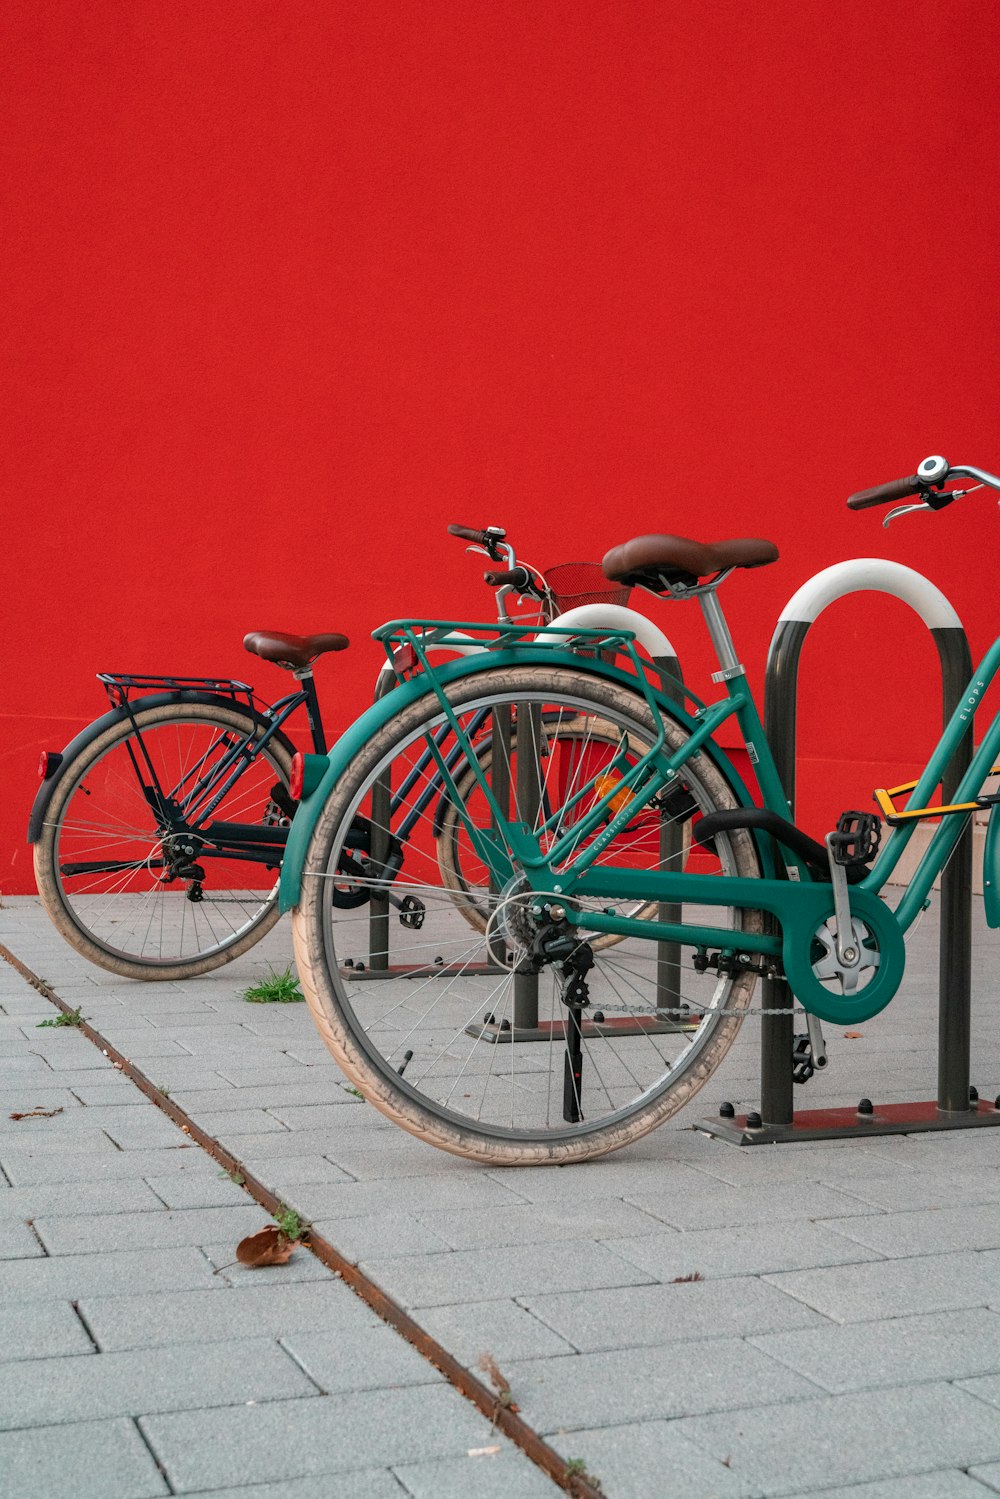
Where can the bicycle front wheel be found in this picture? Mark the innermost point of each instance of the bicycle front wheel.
(104, 867)
(438, 1029)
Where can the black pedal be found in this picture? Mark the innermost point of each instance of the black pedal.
(857, 838)
(802, 1059)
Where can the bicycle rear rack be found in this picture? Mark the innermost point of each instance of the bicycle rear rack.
(120, 686)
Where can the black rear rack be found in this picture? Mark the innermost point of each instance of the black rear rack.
(121, 686)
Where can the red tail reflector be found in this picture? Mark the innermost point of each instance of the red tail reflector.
(297, 776)
(48, 764)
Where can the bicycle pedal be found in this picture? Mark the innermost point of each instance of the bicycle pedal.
(802, 1060)
(856, 839)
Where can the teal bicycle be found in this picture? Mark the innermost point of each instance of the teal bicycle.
(538, 1039)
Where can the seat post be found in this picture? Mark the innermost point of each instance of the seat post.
(304, 675)
(718, 629)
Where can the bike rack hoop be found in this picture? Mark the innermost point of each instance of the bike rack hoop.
(777, 1120)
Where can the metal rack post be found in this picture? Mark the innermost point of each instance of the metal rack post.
(777, 1120)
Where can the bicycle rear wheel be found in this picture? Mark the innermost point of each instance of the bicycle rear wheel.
(441, 1043)
(102, 863)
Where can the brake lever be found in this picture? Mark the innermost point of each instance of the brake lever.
(952, 494)
(903, 510)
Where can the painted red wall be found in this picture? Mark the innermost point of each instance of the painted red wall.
(290, 286)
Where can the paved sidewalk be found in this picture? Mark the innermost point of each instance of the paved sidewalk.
(844, 1339)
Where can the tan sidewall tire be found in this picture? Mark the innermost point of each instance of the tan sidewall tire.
(317, 985)
(44, 851)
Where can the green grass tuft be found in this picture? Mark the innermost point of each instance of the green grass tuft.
(276, 989)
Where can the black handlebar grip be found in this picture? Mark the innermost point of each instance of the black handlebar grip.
(516, 577)
(885, 494)
(466, 533)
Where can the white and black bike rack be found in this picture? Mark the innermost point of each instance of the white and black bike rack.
(957, 1105)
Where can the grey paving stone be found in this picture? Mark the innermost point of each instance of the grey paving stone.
(944, 1428)
(614, 1176)
(39, 1330)
(281, 1090)
(534, 1224)
(506, 1474)
(32, 1065)
(381, 1234)
(988, 1473)
(709, 1203)
(368, 1358)
(502, 1328)
(951, 1484)
(901, 1350)
(23, 1095)
(228, 1122)
(910, 1190)
(743, 1250)
(77, 1055)
(284, 1172)
(100, 1164)
(242, 1074)
(78, 1275)
(637, 1462)
(123, 1093)
(50, 1391)
(208, 1316)
(366, 1483)
(388, 1161)
(302, 1437)
(87, 1460)
(102, 1232)
(288, 1143)
(77, 1146)
(893, 1288)
(325, 1116)
(490, 1274)
(632, 1384)
(17, 1242)
(642, 1315)
(986, 1388)
(928, 1231)
(181, 1190)
(414, 1194)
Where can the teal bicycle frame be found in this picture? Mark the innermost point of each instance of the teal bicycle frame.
(787, 890)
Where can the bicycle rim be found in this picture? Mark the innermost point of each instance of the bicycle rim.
(445, 1044)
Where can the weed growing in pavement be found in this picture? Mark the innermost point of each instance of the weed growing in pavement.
(290, 1223)
(65, 1017)
(276, 989)
(357, 1093)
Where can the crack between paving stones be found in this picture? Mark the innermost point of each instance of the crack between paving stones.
(478, 1394)
(160, 1466)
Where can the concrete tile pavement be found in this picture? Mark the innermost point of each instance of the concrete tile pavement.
(841, 1343)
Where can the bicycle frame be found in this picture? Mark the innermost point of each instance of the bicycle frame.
(800, 903)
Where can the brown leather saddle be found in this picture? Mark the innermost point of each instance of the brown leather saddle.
(292, 651)
(657, 562)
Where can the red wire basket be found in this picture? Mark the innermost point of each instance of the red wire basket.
(572, 584)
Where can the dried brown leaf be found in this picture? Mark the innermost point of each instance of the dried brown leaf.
(38, 1114)
(854, 1035)
(267, 1247)
(683, 1280)
(499, 1381)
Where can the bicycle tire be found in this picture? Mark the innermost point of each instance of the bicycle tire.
(371, 1031)
(125, 919)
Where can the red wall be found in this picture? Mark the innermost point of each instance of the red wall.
(290, 286)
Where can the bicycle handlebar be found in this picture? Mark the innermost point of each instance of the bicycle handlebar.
(885, 494)
(490, 536)
(514, 577)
